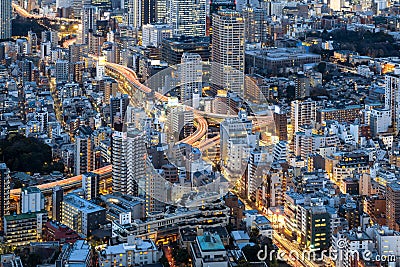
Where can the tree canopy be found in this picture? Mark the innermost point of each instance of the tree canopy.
(28, 155)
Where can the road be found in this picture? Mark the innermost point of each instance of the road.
(76, 180)
(23, 13)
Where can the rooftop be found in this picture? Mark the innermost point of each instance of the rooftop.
(210, 242)
(81, 204)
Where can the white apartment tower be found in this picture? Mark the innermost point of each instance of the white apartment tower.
(228, 51)
(303, 112)
(191, 79)
(392, 97)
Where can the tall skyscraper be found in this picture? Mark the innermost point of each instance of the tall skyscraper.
(215, 6)
(128, 156)
(227, 72)
(392, 97)
(392, 204)
(57, 198)
(89, 18)
(188, 17)
(4, 192)
(5, 19)
(191, 79)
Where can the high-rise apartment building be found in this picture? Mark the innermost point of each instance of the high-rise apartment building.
(57, 198)
(91, 185)
(84, 155)
(5, 19)
(4, 192)
(133, 13)
(191, 79)
(302, 112)
(255, 19)
(128, 157)
(392, 97)
(32, 200)
(227, 71)
(187, 17)
(393, 205)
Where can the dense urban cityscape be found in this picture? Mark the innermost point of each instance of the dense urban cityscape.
(219, 133)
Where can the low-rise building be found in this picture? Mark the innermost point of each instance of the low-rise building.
(136, 252)
(81, 215)
(208, 251)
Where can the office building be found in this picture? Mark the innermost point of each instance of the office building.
(4, 192)
(81, 215)
(379, 121)
(32, 200)
(276, 60)
(187, 17)
(57, 198)
(191, 79)
(392, 97)
(83, 154)
(128, 157)
(227, 71)
(91, 185)
(5, 19)
(172, 49)
(89, 19)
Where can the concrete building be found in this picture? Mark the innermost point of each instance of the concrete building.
(56, 202)
(129, 161)
(83, 154)
(153, 34)
(393, 205)
(91, 185)
(191, 72)
(302, 112)
(208, 250)
(228, 40)
(81, 215)
(136, 252)
(5, 19)
(5, 192)
(32, 200)
(392, 97)
(62, 70)
(187, 17)
(22, 229)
